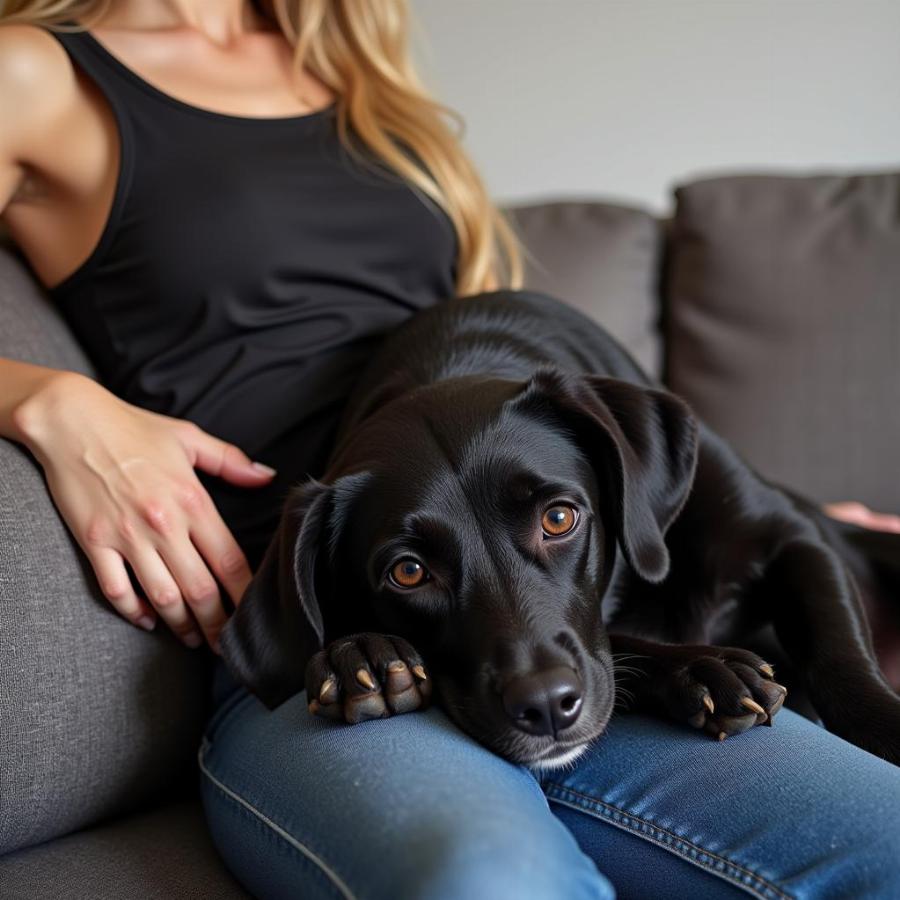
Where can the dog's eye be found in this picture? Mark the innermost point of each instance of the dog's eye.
(558, 520)
(408, 573)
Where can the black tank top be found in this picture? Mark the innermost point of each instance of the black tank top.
(248, 268)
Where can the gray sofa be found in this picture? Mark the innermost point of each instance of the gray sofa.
(772, 303)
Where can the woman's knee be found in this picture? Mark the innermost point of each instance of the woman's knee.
(408, 806)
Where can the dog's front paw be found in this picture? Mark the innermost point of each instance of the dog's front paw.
(723, 690)
(366, 676)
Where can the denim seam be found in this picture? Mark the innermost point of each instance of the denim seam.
(687, 850)
(307, 872)
(277, 830)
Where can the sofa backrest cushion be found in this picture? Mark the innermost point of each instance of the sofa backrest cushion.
(783, 326)
(604, 260)
(97, 716)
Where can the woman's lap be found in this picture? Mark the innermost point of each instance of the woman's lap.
(412, 807)
(785, 811)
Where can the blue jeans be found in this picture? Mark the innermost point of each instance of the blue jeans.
(411, 807)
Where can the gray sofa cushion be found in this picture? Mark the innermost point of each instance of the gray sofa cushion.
(161, 855)
(97, 715)
(783, 325)
(604, 260)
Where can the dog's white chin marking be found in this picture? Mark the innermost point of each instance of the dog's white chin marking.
(549, 763)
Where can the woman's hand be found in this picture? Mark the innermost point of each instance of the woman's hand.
(859, 514)
(123, 480)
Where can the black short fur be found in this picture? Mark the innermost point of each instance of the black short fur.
(472, 420)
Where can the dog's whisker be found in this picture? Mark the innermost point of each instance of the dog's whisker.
(628, 670)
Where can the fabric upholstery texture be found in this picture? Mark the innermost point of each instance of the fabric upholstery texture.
(601, 258)
(98, 716)
(160, 855)
(783, 326)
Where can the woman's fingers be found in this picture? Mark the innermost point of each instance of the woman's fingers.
(221, 551)
(218, 457)
(197, 586)
(109, 567)
(859, 514)
(163, 542)
(164, 593)
(882, 522)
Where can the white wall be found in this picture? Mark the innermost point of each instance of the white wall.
(623, 98)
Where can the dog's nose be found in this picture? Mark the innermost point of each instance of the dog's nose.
(544, 702)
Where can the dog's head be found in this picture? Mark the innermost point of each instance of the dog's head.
(479, 519)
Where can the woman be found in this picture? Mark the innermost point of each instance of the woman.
(231, 205)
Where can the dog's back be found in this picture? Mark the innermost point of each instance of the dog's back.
(507, 334)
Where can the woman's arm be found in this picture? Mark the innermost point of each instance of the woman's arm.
(121, 477)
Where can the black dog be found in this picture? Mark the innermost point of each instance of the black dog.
(512, 499)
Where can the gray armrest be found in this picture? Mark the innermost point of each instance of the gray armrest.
(97, 716)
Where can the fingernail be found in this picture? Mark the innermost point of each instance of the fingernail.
(262, 467)
(193, 640)
(148, 623)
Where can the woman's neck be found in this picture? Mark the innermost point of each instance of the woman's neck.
(222, 21)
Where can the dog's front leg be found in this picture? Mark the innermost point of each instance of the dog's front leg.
(820, 622)
(723, 690)
(367, 676)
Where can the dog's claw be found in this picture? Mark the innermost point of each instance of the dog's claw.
(766, 669)
(708, 703)
(328, 691)
(419, 672)
(753, 705)
(722, 735)
(365, 679)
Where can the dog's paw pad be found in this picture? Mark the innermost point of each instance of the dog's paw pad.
(367, 676)
(363, 707)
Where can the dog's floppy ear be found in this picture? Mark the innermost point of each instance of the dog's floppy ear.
(643, 442)
(278, 624)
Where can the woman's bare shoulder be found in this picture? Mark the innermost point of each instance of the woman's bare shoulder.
(39, 99)
(37, 85)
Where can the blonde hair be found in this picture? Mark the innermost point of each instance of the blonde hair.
(359, 49)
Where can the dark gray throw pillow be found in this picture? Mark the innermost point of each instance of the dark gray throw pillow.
(601, 258)
(783, 325)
